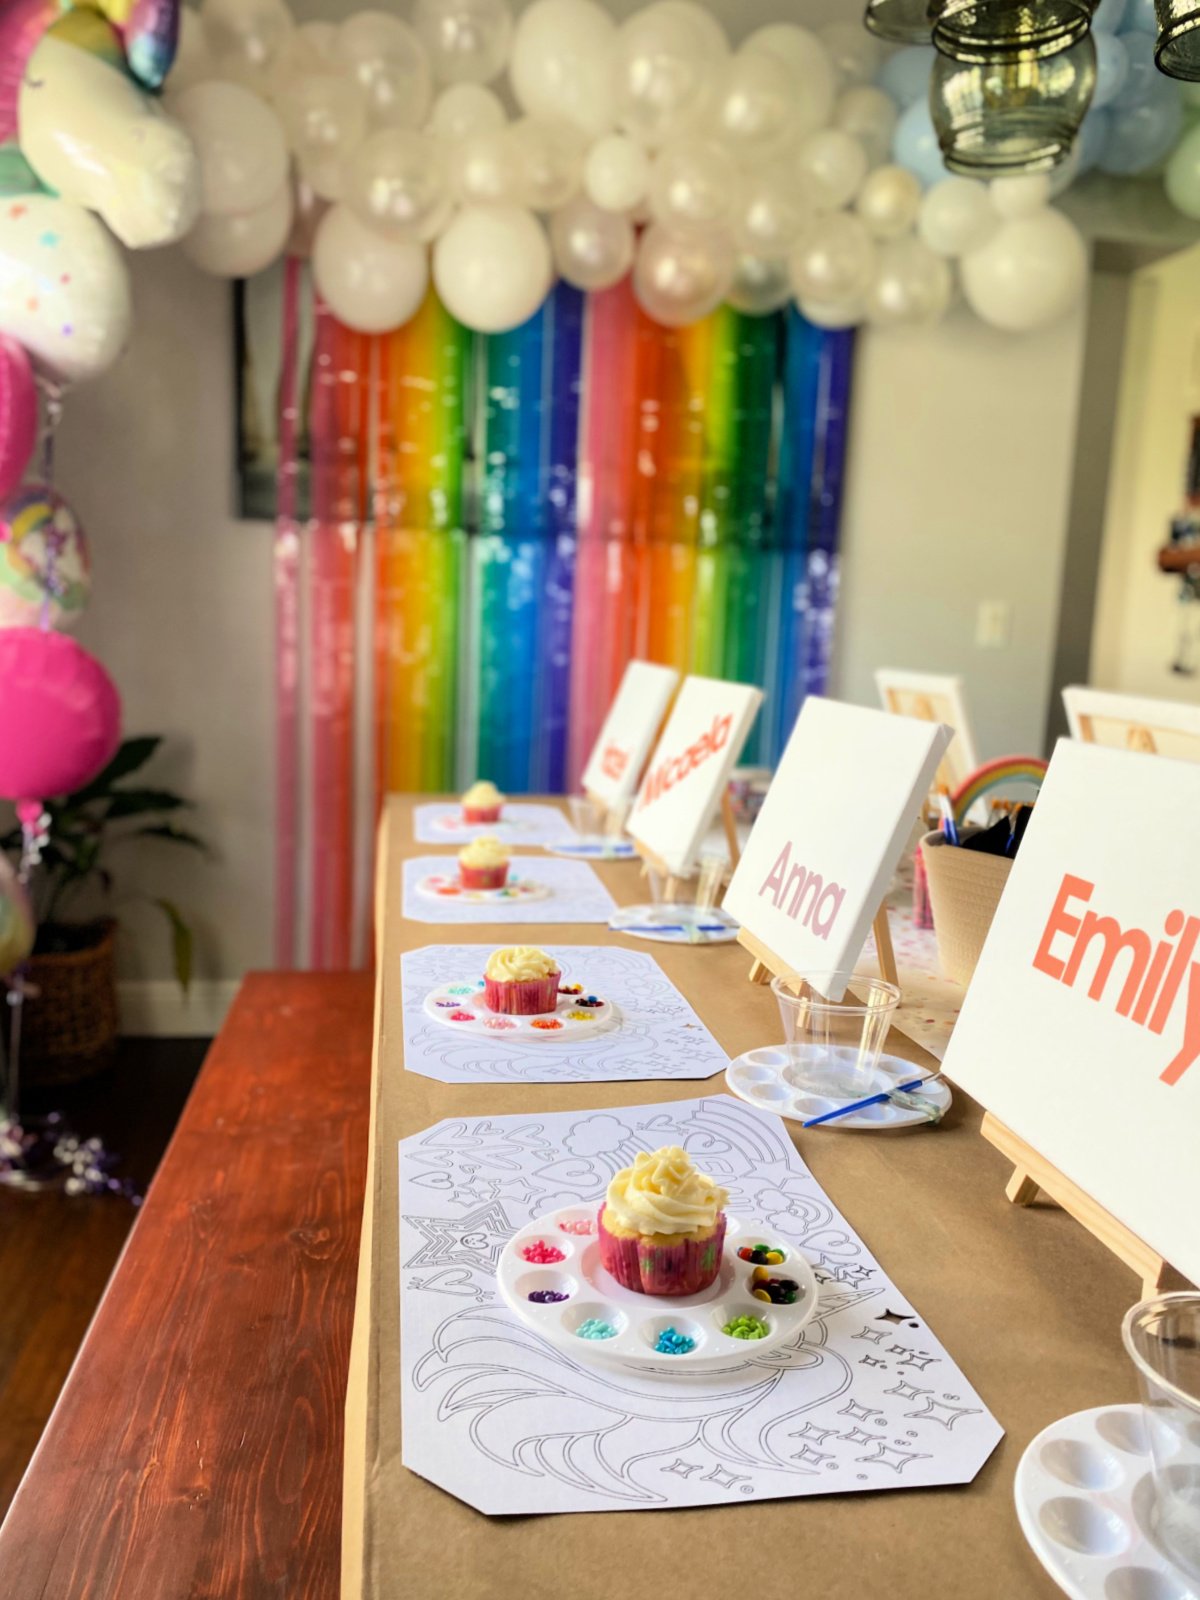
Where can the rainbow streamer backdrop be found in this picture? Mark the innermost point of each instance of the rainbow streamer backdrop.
(543, 505)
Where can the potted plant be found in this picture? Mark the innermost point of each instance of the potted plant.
(69, 1026)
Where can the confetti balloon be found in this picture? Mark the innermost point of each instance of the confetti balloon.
(93, 136)
(61, 720)
(45, 575)
(18, 414)
(22, 24)
(64, 287)
(388, 62)
(678, 276)
(17, 926)
(149, 31)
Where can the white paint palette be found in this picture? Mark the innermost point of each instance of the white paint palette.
(437, 886)
(675, 924)
(459, 1005)
(596, 849)
(1085, 1501)
(588, 1294)
(763, 1078)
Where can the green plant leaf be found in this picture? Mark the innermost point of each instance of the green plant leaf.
(167, 830)
(136, 802)
(132, 754)
(181, 942)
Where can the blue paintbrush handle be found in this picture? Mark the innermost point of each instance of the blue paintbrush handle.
(861, 1105)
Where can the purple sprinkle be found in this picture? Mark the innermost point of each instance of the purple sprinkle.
(547, 1297)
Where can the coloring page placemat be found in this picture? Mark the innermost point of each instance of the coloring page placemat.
(575, 893)
(657, 1035)
(866, 1399)
(520, 825)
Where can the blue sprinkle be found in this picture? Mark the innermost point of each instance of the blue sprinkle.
(673, 1343)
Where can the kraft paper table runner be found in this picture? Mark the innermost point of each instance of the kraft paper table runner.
(1030, 1306)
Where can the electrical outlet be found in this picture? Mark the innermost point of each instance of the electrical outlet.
(993, 625)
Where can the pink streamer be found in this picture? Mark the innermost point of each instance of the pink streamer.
(287, 627)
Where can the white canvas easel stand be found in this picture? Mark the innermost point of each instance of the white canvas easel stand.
(767, 964)
(652, 861)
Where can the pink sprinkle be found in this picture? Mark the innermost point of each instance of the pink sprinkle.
(579, 1226)
(498, 1023)
(542, 1254)
(462, 1016)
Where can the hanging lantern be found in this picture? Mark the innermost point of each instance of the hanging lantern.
(983, 30)
(899, 21)
(1017, 113)
(1177, 52)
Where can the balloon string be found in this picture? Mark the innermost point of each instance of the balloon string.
(55, 538)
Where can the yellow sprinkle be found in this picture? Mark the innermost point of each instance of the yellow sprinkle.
(759, 1275)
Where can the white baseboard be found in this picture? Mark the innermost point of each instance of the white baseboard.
(159, 1007)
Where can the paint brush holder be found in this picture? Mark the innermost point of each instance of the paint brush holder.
(964, 890)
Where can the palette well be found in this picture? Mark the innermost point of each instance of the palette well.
(762, 1078)
(440, 886)
(459, 1005)
(1085, 1501)
(550, 1275)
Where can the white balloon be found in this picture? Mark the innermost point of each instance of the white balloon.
(247, 75)
(956, 216)
(92, 136)
(194, 60)
(371, 281)
(64, 288)
(834, 166)
(616, 173)
(256, 30)
(912, 285)
(809, 66)
(550, 156)
(856, 54)
(888, 202)
(710, 33)
(593, 248)
(835, 313)
(1182, 176)
(240, 145)
(492, 267)
(1030, 273)
(485, 167)
(870, 116)
(396, 181)
(326, 119)
(1020, 197)
(761, 284)
(664, 77)
(305, 53)
(680, 277)
(321, 38)
(771, 210)
(389, 64)
(242, 244)
(464, 109)
(466, 41)
(757, 109)
(834, 261)
(560, 64)
(693, 184)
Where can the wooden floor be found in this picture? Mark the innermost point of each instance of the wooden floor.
(56, 1253)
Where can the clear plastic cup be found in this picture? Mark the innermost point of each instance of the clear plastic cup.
(1162, 1337)
(710, 878)
(585, 815)
(834, 1046)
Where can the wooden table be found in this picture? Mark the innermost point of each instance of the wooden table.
(196, 1450)
(1027, 1302)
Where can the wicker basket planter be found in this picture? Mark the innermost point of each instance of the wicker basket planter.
(69, 1028)
(964, 890)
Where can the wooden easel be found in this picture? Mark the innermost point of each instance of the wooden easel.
(767, 965)
(671, 887)
(1033, 1174)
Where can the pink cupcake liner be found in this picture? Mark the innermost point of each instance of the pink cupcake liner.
(530, 998)
(483, 877)
(685, 1267)
(481, 813)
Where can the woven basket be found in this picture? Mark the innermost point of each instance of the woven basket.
(69, 1028)
(964, 890)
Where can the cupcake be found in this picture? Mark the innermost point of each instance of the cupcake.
(521, 980)
(661, 1225)
(482, 803)
(483, 864)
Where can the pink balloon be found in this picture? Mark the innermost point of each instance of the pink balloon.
(18, 414)
(22, 24)
(60, 714)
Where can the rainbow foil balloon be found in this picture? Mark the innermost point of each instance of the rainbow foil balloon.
(45, 574)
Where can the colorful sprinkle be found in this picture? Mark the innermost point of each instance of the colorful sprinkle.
(591, 1000)
(498, 1024)
(580, 1016)
(594, 1328)
(548, 1297)
(451, 1004)
(746, 1327)
(542, 1254)
(462, 1016)
(545, 1022)
(581, 1225)
(461, 988)
(672, 1343)
(771, 1255)
(571, 988)
(779, 1291)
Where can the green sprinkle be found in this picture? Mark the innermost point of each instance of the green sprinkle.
(746, 1327)
(593, 1328)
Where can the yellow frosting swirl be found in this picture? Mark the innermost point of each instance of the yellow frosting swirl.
(486, 851)
(483, 794)
(663, 1193)
(519, 963)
